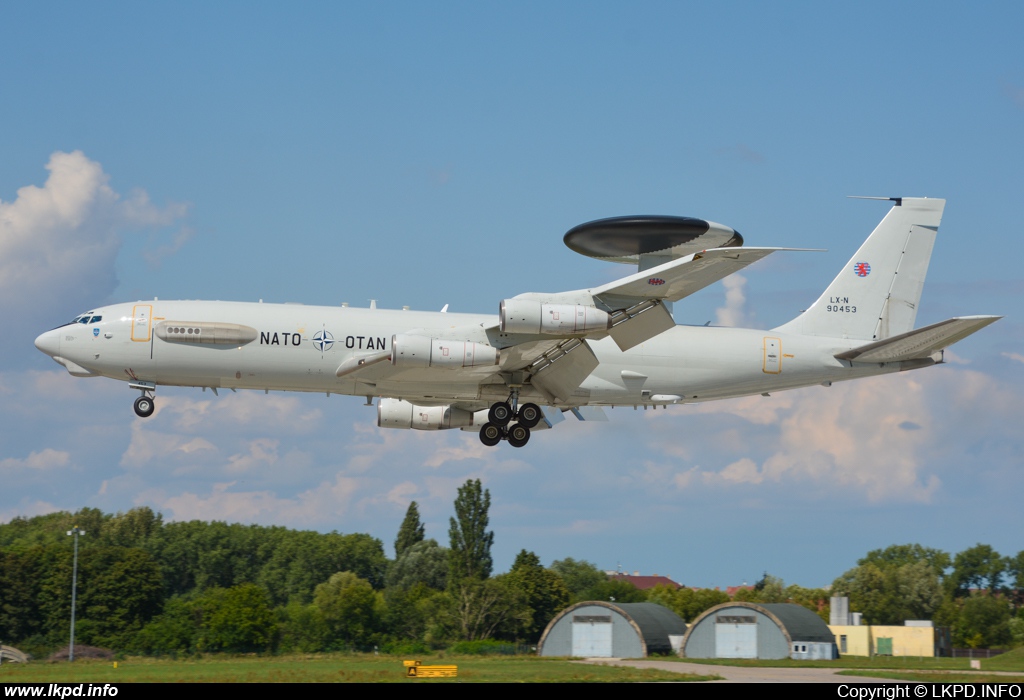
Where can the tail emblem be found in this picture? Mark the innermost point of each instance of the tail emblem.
(862, 269)
(655, 281)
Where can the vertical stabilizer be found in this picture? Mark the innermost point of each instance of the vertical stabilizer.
(877, 293)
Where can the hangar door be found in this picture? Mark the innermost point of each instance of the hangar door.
(592, 635)
(736, 637)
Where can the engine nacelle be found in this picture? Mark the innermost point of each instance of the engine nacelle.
(396, 413)
(419, 351)
(526, 316)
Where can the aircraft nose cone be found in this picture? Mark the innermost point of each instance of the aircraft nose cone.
(49, 342)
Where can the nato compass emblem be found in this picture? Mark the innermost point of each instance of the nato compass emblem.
(862, 269)
(323, 341)
(656, 281)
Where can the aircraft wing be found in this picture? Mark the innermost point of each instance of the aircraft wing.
(680, 278)
(636, 312)
(918, 344)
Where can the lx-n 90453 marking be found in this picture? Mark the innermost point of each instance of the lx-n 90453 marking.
(544, 354)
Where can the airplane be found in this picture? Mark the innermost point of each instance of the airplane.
(544, 354)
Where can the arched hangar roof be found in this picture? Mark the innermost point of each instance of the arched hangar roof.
(653, 623)
(797, 623)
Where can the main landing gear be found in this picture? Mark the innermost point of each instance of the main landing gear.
(501, 414)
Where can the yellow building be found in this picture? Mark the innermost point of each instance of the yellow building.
(889, 640)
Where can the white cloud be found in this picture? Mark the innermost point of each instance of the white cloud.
(401, 494)
(44, 459)
(1016, 357)
(157, 256)
(874, 437)
(733, 314)
(318, 506)
(245, 409)
(27, 509)
(60, 241)
(148, 445)
(743, 471)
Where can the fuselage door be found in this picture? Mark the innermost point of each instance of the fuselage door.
(772, 356)
(142, 322)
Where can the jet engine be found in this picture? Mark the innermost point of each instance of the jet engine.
(526, 316)
(420, 351)
(396, 413)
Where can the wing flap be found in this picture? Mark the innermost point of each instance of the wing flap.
(646, 323)
(918, 344)
(558, 373)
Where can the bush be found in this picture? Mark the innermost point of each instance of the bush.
(405, 648)
(482, 647)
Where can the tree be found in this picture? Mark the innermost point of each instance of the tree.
(890, 595)
(1015, 570)
(410, 532)
(771, 589)
(686, 602)
(814, 599)
(236, 619)
(481, 608)
(423, 563)
(470, 555)
(616, 590)
(979, 567)
(349, 607)
(579, 576)
(984, 622)
(542, 590)
(897, 555)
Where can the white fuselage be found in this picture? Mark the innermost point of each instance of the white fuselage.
(300, 348)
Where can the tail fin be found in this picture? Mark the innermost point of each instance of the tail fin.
(877, 293)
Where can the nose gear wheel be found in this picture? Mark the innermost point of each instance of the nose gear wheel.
(144, 406)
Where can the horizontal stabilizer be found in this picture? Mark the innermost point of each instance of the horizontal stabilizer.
(918, 344)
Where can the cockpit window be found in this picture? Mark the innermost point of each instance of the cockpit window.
(87, 318)
(96, 319)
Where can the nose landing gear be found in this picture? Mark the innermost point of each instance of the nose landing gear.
(145, 404)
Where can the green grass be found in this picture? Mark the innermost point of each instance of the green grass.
(936, 676)
(1011, 661)
(328, 668)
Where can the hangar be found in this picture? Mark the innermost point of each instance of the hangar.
(759, 631)
(612, 630)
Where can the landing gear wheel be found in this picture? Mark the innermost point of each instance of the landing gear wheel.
(490, 434)
(144, 407)
(500, 414)
(518, 435)
(529, 415)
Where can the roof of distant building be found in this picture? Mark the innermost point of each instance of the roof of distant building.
(731, 590)
(645, 582)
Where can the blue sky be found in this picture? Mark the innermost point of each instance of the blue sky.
(431, 154)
